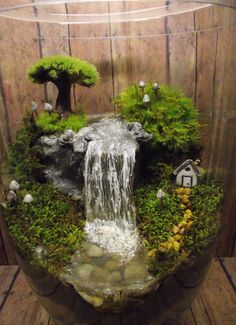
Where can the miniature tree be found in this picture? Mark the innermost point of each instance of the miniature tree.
(63, 71)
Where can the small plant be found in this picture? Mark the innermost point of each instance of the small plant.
(52, 123)
(63, 71)
(168, 115)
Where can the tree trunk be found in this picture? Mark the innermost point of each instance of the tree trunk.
(63, 103)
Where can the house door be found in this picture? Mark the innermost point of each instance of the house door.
(187, 181)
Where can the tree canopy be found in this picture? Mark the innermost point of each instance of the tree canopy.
(63, 71)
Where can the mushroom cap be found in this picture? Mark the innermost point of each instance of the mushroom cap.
(28, 198)
(48, 107)
(160, 194)
(141, 84)
(146, 98)
(155, 86)
(34, 106)
(40, 251)
(14, 186)
(11, 196)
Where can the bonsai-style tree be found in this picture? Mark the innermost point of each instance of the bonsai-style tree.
(63, 71)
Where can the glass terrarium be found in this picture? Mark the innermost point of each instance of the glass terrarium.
(121, 120)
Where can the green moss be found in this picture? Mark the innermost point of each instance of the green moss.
(74, 122)
(52, 123)
(51, 221)
(155, 220)
(170, 116)
(205, 200)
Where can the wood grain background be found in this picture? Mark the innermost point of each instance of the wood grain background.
(191, 51)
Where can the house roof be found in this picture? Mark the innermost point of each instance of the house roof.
(185, 164)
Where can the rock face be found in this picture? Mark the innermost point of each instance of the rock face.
(64, 155)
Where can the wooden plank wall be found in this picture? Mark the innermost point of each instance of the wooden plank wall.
(191, 51)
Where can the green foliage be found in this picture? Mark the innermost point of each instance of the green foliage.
(74, 122)
(53, 123)
(170, 116)
(58, 67)
(156, 220)
(205, 200)
(51, 221)
(22, 159)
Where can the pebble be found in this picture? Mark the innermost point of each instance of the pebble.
(115, 277)
(95, 251)
(100, 274)
(112, 265)
(93, 300)
(135, 271)
(84, 271)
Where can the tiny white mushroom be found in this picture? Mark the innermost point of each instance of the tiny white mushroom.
(146, 99)
(28, 198)
(34, 106)
(141, 84)
(160, 194)
(48, 107)
(11, 196)
(40, 251)
(14, 186)
(155, 86)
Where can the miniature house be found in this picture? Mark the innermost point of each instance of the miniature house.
(187, 174)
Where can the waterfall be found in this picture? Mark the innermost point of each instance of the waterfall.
(108, 173)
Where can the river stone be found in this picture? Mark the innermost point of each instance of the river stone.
(135, 271)
(112, 265)
(100, 274)
(95, 251)
(115, 277)
(92, 300)
(85, 271)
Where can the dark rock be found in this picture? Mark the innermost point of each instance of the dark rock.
(64, 155)
(138, 132)
(67, 137)
(80, 145)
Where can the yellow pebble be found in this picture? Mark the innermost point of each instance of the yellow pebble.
(187, 191)
(170, 239)
(177, 237)
(175, 229)
(189, 224)
(179, 190)
(152, 253)
(188, 211)
(182, 224)
(185, 201)
(176, 245)
(187, 216)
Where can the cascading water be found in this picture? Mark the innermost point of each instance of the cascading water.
(108, 174)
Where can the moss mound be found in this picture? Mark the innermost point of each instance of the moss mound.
(52, 123)
(169, 116)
